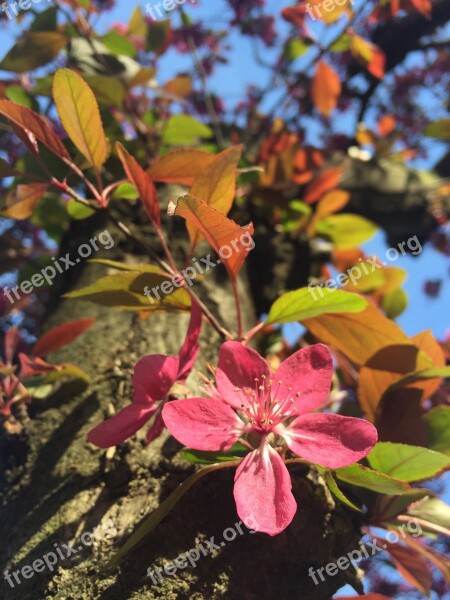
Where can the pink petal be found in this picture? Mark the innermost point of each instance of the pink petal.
(154, 375)
(238, 367)
(155, 429)
(203, 423)
(189, 350)
(308, 371)
(262, 491)
(123, 425)
(330, 440)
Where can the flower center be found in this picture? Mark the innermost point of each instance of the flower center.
(266, 405)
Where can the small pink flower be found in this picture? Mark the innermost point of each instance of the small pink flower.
(267, 409)
(154, 375)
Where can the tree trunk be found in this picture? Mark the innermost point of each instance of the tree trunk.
(57, 486)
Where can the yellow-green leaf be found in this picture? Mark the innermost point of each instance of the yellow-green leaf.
(33, 50)
(80, 116)
(346, 230)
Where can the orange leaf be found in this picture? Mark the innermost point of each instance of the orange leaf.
(78, 110)
(180, 86)
(217, 186)
(27, 119)
(224, 235)
(325, 88)
(423, 6)
(180, 166)
(324, 183)
(331, 203)
(386, 125)
(22, 201)
(357, 335)
(61, 336)
(142, 182)
(369, 55)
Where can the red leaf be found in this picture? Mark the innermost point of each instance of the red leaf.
(30, 365)
(28, 119)
(142, 182)
(328, 180)
(61, 336)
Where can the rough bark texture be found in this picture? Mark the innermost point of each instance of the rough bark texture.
(56, 486)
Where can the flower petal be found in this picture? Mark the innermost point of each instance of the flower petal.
(238, 367)
(308, 371)
(189, 350)
(154, 375)
(330, 440)
(155, 429)
(203, 423)
(263, 491)
(123, 425)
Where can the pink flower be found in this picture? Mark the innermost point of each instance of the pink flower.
(154, 375)
(269, 409)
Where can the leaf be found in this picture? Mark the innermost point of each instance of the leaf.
(371, 480)
(144, 185)
(45, 20)
(295, 48)
(408, 463)
(155, 518)
(7, 171)
(220, 231)
(184, 130)
(325, 182)
(347, 230)
(386, 125)
(216, 186)
(78, 211)
(394, 303)
(331, 203)
(409, 564)
(325, 88)
(369, 55)
(61, 336)
(438, 129)
(434, 373)
(180, 166)
(137, 24)
(436, 558)
(80, 116)
(33, 50)
(180, 86)
(126, 291)
(236, 452)
(118, 44)
(107, 90)
(433, 510)
(306, 303)
(438, 427)
(357, 335)
(387, 508)
(21, 202)
(67, 370)
(334, 489)
(27, 119)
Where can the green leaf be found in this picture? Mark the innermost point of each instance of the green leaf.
(237, 452)
(334, 489)
(439, 129)
(155, 518)
(126, 191)
(342, 44)
(158, 36)
(408, 463)
(118, 44)
(346, 231)
(394, 303)
(45, 20)
(432, 510)
(371, 480)
(18, 95)
(296, 48)
(184, 130)
(126, 291)
(107, 90)
(437, 422)
(33, 50)
(312, 302)
(78, 211)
